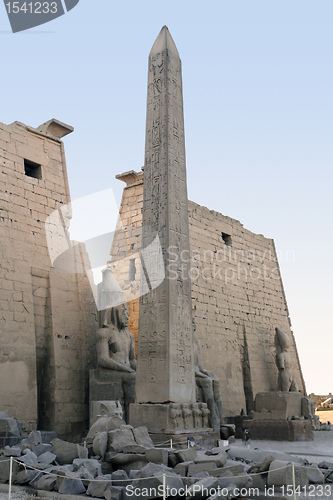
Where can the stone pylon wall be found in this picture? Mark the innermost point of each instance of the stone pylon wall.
(47, 318)
(237, 298)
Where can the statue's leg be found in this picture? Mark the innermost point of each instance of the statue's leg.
(129, 391)
(207, 386)
(217, 398)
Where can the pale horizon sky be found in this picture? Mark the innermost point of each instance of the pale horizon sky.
(257, 82)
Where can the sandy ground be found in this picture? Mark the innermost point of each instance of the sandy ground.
(321, 448)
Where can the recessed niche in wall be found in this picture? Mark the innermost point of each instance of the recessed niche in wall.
(32, 169)
(227, 239)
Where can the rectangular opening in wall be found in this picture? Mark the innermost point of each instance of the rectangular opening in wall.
(227, 239)
(32, 169)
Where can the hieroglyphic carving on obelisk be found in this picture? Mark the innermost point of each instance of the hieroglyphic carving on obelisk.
(165, 370)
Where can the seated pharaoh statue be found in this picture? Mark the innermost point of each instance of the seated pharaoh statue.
(115, 376)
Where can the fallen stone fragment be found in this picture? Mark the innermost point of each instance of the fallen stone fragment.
(91, 464)
(85, 476)
(195, 468)
(280, 474)
(241, 481)
(46, 483)
(315, 476)
(105, 424)
(12, 451)
(259, 481)
(113, 493)
(232, 470)
(67, 452)
(219, 459)
(120, 478)
(29, 459)
(40, 449)
(157, 455)
(47, 458)
(182, 468)
(121, 437)
(209, 484)
(70, 486)
(35, 438)
(186, 455)
(100, 443)
(142, 437)
(97, 487)
(264, 466)
(325, 465)
(9, 427)
(25, 476)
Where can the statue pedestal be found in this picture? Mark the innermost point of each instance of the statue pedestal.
(280, 430)
(277, 405)
(169, 418)
(278, 416)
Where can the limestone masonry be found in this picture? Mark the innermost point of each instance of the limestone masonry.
(47, 318)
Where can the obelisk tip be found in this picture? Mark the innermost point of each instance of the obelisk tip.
(164, 41)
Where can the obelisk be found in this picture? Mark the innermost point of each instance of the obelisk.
(165, 369)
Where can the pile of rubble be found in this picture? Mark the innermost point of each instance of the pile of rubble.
(120, 461)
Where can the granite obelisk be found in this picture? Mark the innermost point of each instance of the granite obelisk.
(165, 370)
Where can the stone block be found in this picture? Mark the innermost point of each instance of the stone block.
(70, 486)
(29, 459)
(41, 448)
(194, 469)
(25, 476)
(67, 452)
(113, 493)
(9, 427)
(280, 474)
(219, 459)
(142, 437)
(284, 405)
(47, 458)
(241, 481)
(12, 451)
(91, 464)
(120, 478)
(4, 469)
(46, 483)
(315, 476)
(119, 438)
(182, 468)
(97, 487)
(280, 430)
(186, 455)
(100, 444)
(157, 455)
(203, 488)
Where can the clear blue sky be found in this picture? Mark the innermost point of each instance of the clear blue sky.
(257, 79)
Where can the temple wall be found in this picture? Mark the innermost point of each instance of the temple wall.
(45, 331)
(237, 298)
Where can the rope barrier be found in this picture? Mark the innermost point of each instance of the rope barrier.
(135, 479)
(163, 475)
